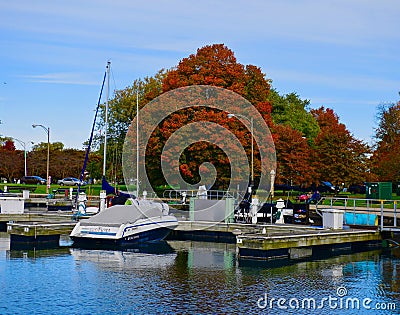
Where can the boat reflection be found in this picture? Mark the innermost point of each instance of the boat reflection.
(160, 247)
(150, 255)
(194, 254)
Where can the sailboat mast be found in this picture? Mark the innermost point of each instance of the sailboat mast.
(106, 118)
(137, 143)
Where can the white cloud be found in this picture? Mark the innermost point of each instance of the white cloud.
(61, 78)
(155, 24)
(344, 81)
(318, 101)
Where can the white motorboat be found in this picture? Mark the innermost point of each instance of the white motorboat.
(124, 225)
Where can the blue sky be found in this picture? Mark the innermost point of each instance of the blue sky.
(342, 54)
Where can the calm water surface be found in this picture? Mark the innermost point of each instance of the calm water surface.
(193, 278)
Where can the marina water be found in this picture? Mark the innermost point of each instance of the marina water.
(194, 278)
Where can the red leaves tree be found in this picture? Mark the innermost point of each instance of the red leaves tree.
(11, 161)
(63, 162)
(211, 65)
(294, 157)
(340, 158)
(386, 160)
(214, 65)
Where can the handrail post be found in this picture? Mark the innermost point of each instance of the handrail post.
(395, 213)
(381, 215)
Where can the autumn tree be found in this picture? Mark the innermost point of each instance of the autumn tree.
(11, 161)
(386, 160)
(294, 157)
(340, 157)
(216, 65)
(211, 65)
(196, 153)
(62, 162)
(9, 145)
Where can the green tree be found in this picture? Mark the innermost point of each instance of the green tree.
(291, 111)
(122, 110)
(53, 146)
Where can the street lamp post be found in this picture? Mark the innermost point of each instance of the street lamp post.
(47, 129)
(24, 146)
(252, 141)
(272, 173)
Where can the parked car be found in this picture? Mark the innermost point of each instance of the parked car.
(327, 187)
(324, 187)
(70, 181)
(32, 180)
(284, 187)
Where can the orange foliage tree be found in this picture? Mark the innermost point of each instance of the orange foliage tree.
(294, 157)
(339, 156)
(11, 161)
(386, 160)
(213, 65)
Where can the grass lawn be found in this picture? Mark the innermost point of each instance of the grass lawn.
(92, 190)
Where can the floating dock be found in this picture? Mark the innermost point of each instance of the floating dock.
(295, 243)
(211, 231)
(37, 234)
(286, 241)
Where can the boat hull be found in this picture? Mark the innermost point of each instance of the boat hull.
(154, 235)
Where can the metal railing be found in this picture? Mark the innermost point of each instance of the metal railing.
(385, 210)
(178, 196)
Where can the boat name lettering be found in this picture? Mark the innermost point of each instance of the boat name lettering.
(100, 229)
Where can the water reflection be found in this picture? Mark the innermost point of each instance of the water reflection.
(4, 241)
(202, 255)
(37, 253)
(207, 276)
(149, 256)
